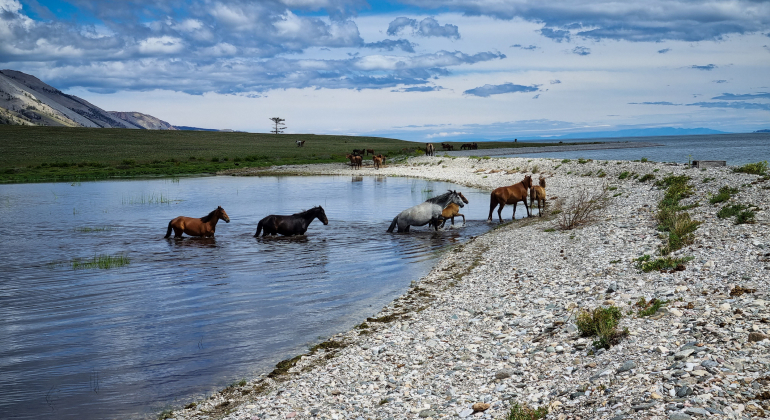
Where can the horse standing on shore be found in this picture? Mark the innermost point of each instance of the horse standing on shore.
(511, 194)
(296, 224)
(537, 193)
(430, 150)
(424, 213)
(204, 226)
(377, 162)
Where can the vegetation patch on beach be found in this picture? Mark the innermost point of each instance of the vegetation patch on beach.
(672, 217)
(602, 323)
(667, 263)
(523, 412)
(723, 195)
(756, 168)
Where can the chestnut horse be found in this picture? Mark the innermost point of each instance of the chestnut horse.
(377, 162)
(537, 193)
(510, 195)
(453, 210)
(205, 226)
(296, 224)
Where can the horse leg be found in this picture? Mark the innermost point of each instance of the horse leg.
(492, 205)
(453, 219)
(527, 208)
(513, 216)
(500, 212)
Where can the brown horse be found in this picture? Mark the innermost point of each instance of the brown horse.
(537, 193)
(377, 162)
(453, 210)
(205, 226)
(369, 152)
(510, 195)
(430, 150)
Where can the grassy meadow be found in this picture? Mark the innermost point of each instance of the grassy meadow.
(61, 154)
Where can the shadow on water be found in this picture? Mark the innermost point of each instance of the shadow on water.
(187, 317)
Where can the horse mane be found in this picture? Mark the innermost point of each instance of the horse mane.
(440, 198)
(307, 211)
(209, 216)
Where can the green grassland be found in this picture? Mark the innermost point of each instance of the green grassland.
(62, 154)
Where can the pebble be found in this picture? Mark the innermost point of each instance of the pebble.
(494, 322)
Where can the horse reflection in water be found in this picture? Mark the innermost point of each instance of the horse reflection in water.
(296, 224)
(427, 212)
(204, 226)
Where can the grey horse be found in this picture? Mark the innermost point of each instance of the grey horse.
(427, 212)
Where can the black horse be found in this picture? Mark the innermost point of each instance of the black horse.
(296, 224)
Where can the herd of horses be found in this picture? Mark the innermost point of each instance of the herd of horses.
(430, 149)
(357, 158)
(434, 212)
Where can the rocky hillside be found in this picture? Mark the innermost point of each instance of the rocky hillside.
(143, 120)
(25, 99)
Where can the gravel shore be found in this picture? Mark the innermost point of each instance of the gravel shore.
(546, 149)
(493, 324)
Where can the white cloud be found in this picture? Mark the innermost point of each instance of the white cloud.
(160, 45)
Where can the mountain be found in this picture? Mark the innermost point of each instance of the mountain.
(143, 120)
(26, 100)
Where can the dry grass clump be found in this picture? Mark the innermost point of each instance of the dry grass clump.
(584, 208)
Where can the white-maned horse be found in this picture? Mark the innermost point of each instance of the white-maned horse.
(427, 212)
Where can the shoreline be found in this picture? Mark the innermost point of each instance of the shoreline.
(493, 322)
(547, 149)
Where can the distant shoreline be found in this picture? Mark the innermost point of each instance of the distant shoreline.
(547, 149)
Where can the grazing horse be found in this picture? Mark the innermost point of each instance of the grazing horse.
(447, 146)
(300, 143)
(359, 151)
(296, 224)
(467, 146)
(369, 152)
(424, 213)
(510, 195)
(430, 150)
(377, 162)
(453, 210)
(474, 145)
(205, 226)
(537, 193)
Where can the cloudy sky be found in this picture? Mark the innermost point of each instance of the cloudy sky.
(412, 69)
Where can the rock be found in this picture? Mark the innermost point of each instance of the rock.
(678, 415)
(479, 407)
(465, 412)
(505, 373)
(697, 411)
(683, 354)
(661, 349)
(755, 336)
(627, 365)
(684, 391)
(675, 312)
(641, 407)
(427, 413)
(613, 287)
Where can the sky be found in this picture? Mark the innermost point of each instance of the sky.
(422, 70)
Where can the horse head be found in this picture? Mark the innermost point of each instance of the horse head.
(322, 215)
(542, 182)
(457, 198)
(465, 200)
(527, 181)
(222, 214)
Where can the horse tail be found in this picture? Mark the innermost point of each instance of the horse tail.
(393, 224)
(168, 232)
(259, 228)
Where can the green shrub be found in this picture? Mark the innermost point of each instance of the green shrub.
(746, 216)
(565, 161)
(523, 412)
(731, 210)
(602, 323)
(723, 195)
(649, 308)
(756, 168)
(644, 159)
(624, 175)
(646, 178)
(647, 264)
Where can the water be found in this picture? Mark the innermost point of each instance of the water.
(736, 149)
(186, 318)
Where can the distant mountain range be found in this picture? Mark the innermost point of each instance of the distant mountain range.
(26, 100)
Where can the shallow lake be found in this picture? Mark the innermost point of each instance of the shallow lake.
(188, 317)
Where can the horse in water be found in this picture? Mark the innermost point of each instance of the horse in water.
(451, 211)
(427, 212)
(510, 195)
(205, 226)
(296, 224)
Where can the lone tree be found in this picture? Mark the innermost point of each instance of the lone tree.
(279, 125)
